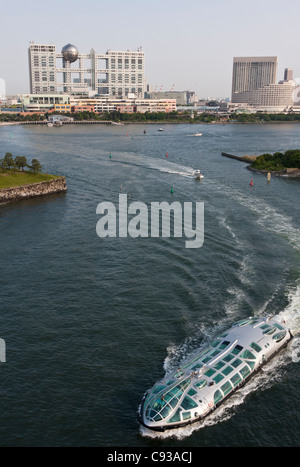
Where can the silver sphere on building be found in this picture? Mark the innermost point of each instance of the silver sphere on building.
(70, 53)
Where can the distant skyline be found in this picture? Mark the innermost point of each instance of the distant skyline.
(188, 44)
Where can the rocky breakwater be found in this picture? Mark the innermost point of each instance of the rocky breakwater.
(18, 193)
(288, 172)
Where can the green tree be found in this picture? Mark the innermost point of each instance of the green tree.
(35, 166)
(21, 162)
(9, 160)
(3, 165)
(278, 161)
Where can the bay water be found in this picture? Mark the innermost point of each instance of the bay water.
(91, 323)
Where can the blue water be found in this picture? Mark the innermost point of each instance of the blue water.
(91, 323)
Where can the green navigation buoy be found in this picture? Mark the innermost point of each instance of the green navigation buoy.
(172, 190)
(110, 155)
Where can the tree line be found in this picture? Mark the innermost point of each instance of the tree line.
(175, 116)
(278, 161)
(260, 117)
(19, 163)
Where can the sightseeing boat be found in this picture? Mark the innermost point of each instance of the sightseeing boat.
(199, 386)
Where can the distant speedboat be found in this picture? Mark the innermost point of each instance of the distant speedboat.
(160, 129)
(197, 134)
(198, 175)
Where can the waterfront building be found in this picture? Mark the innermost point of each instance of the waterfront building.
(60, 118)
(250, 73)
(61, 108)
(254, 84)
(64, 103)
(180, 96)
(126, 105)
(191, 97)
(83, 107)
(115, 73)
(42, 102)
(155, 105)
(279, 97)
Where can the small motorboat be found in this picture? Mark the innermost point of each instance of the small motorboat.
(160, 129)
(197, 134)
(198, 175)
(57, 123)
(49, 124)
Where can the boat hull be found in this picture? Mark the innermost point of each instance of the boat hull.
(167, 426)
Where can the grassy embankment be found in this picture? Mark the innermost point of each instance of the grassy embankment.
(10, 179)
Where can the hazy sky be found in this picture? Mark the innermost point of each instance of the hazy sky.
(190, 43)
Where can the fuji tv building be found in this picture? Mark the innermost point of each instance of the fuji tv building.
(114, 74)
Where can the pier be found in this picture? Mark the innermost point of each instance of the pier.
(75, 122)
(247, 159)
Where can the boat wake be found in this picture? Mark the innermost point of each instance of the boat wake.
(268, 217)
(291, 313)
(159, 165)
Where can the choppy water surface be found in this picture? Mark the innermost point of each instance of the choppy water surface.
(91, 323)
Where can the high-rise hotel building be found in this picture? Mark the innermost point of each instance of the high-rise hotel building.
(251, 73)
(115, 73)
(254, 83)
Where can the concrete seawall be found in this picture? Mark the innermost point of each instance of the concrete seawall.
(247, 159)
(18, 193)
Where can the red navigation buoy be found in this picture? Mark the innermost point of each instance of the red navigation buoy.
(167, 155)
(251, 183)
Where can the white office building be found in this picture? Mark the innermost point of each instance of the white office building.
(115, 73)
(250, 73)
(254, 84)
(279, 97)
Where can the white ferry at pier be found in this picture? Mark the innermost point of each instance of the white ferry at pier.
(198, 387)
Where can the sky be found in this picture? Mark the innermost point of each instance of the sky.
(188, 44)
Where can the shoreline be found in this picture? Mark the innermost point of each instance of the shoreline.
(286, 173)
(33, 190)
(9, 123)
(151, 122)
(295, 173)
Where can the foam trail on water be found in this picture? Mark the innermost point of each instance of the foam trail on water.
(291, 316)
(269, 217)
(162, 164)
